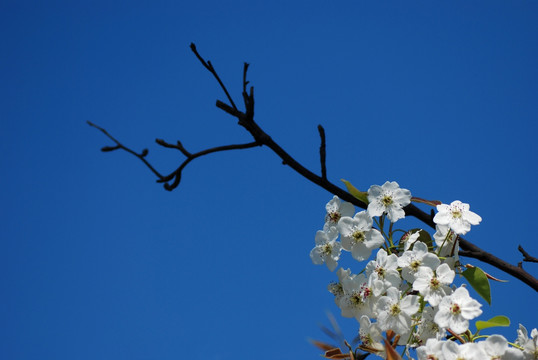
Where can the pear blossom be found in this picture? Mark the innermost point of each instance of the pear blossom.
(434, 286)
(389, 199)
(335, 210)
(433, 350)
(395, 314)
(457, 216)
(427, 328)
(359, 297)
(529, 345)
(336, 288)
(384, 268)
(327, 249)
(467, 351)
(496, 347)
(411, 261)
(409, 239)
(456, 310)
(370, 336)
(358, 235)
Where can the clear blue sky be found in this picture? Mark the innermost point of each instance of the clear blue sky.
(99, 262)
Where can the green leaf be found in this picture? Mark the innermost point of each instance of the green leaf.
(499, 320)
(479, 281)
(361, 195)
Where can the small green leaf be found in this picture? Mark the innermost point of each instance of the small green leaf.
(499, 320)
(361, 195)
(479, 281)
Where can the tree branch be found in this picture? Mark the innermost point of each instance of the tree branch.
(322, 153)
(176, 174)
(246, 120)
(141, 156)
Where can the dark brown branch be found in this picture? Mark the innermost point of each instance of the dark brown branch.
(141, 156)
(178, 146)
(246, 120)
(176, 175)
(468, 249)
(526, 256)
(209, 66)
(322, 153)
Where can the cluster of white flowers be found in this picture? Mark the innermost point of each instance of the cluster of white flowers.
(408, 288)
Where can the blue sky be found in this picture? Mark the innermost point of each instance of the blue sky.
(99, 262)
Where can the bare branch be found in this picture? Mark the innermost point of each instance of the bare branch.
(176, 175)
(322, 153)
(120, 146)
(246, 120)
(209, 66)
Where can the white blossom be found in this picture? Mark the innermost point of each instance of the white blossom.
(384, 268)
(395, 314)
(529, 345)
(433, 350)
(389, 199)
(335, 210)
(370, 336)
(457, 216)
(496, 347)
(427, 328)
(456, 310)
(358, 296)
(434, 287)
(411, 261)
(467, 351)
(358, 235)
(327, 249)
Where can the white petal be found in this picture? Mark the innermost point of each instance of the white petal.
(471, 217)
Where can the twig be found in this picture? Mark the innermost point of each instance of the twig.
(526, 256)
(322, 153)
(176, 174)
(456, 335)
(141, 156)
(209, 66)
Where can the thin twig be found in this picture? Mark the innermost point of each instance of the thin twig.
(176, 175)
(209, 66)
(141, 156)
(526, 256)
(456, 335)
(322, 153)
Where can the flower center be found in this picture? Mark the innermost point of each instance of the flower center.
(387, 200)
(395, 309)
(358, 236)
(456, 213)
(327, 249)
(334, 216)
(380, 271)
(434, 284)
(455, 309)
(356, 299)
(414, 265)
